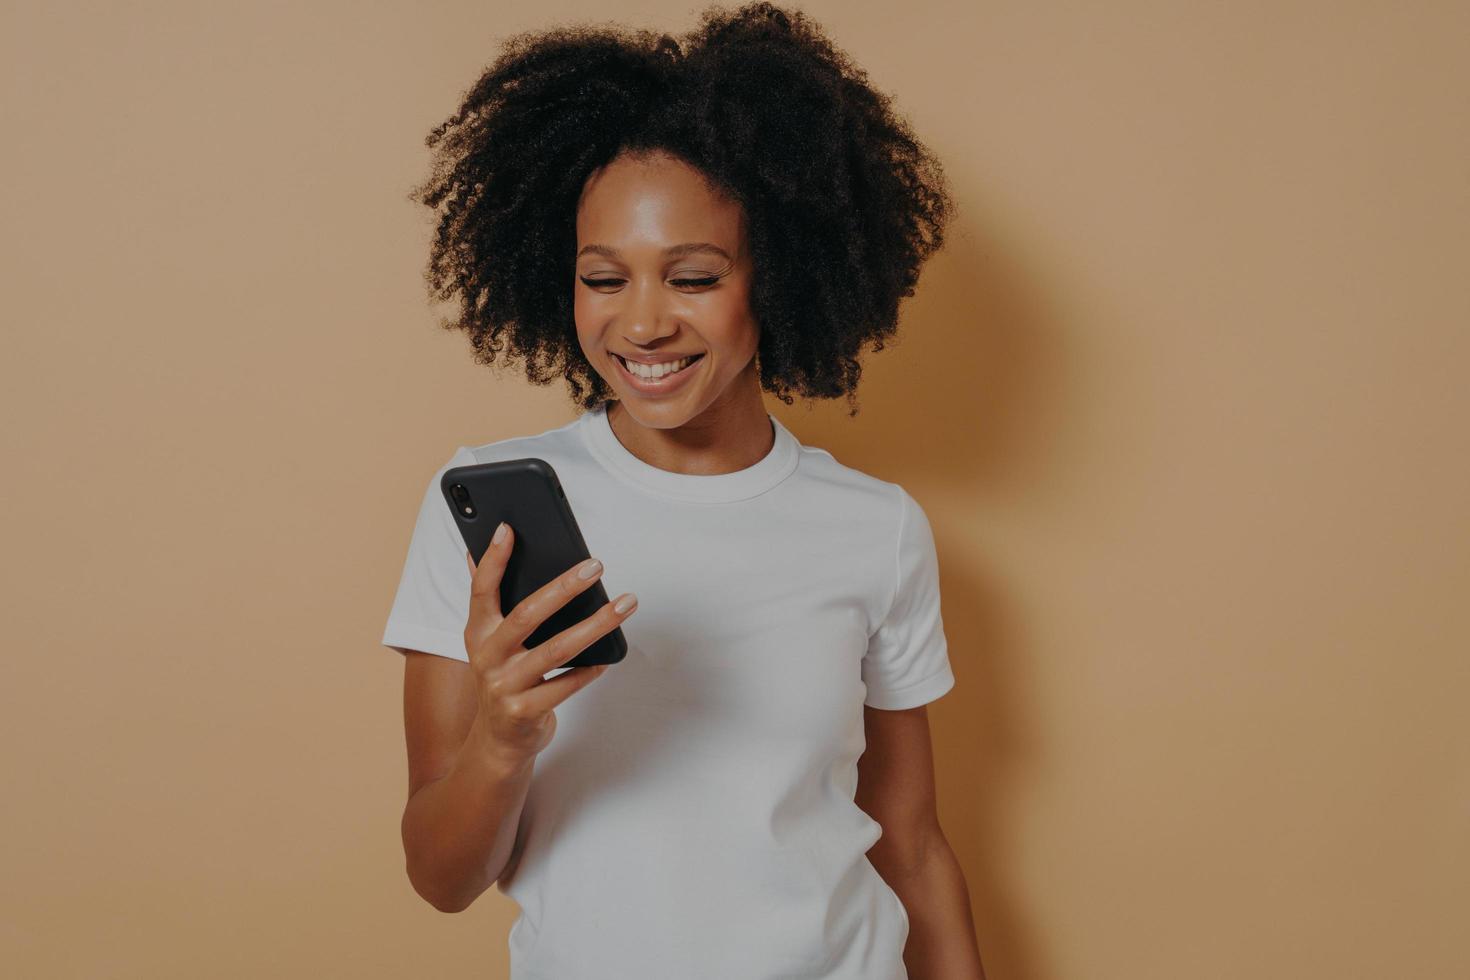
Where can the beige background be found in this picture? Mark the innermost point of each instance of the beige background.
(1184, 398)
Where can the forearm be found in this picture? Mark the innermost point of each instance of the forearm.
(459, 831)
(941, 943)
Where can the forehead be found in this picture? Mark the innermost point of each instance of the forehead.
(654, 201)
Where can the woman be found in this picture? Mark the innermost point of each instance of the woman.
(675, 228)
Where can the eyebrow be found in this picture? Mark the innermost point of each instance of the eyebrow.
(673, 251)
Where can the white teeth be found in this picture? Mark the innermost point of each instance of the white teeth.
(654, 371)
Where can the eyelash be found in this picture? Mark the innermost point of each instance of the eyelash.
(705, 281)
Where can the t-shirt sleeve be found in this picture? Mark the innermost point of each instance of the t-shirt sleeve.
(907, 661)
(432, 604)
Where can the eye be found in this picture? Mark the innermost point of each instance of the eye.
(682, 283)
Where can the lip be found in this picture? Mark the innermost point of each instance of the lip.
(657, 386)
(655, 358)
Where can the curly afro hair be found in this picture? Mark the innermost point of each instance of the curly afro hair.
(842, 202)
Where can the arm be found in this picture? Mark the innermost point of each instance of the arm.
(896, 788)
(465, 801)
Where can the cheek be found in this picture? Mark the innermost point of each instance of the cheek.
(730, 325)
(581, 309)
(587, 343)
(725, 323)
(587, 318)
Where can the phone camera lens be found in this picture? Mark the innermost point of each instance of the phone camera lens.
(462, 499)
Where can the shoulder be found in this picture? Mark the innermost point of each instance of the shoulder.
(559, 439)
(882, 504)
(552, 444)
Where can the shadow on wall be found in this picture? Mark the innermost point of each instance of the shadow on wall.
(964, 408)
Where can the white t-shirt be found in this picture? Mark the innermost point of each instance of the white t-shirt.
(694, 814)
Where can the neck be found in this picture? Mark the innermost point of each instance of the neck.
(718, 440)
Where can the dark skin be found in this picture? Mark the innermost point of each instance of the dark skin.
(634, 297)
(638, 292)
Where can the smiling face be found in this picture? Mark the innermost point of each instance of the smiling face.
(663, 275)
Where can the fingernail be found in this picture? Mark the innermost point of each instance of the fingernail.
(499, 533)
(589, 568)
(625, 603)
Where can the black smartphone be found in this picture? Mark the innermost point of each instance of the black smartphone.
(526, 494)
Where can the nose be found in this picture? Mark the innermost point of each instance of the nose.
(646, 319)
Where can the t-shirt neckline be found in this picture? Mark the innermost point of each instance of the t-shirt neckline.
(755, 479)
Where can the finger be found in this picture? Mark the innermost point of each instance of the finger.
(484, 591)
(531, 665)
(548, 694)
(536, 608)
(485, 578)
